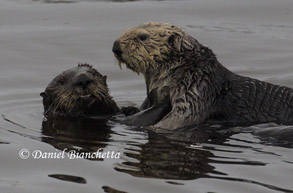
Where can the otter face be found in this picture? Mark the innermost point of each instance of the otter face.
(80, 91)
(152, 45)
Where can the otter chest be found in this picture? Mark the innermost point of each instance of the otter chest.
(158, 89)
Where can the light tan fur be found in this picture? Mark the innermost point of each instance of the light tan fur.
(146, 56)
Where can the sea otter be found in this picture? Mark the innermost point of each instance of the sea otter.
(81, 92)
(185, 78)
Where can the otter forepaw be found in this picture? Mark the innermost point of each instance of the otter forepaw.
(153, 128)
(127, 111)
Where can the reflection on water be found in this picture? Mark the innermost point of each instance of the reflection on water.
(82, 136)
(68, 178)
(187, 154)
(166, 159)
(108, 189)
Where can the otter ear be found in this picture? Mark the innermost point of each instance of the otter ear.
(182, 42)
(43, 94)
(174, 41)
(188, 42)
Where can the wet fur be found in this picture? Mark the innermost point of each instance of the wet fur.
(178, 69)
(63, 98)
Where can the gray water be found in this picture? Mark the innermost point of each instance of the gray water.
(39, 39)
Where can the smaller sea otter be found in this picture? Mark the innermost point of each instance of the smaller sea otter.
(81, 92)
(185, 81)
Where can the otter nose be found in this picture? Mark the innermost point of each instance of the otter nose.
(83, 80)
(116, 48)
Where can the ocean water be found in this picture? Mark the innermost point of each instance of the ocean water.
(40, 39)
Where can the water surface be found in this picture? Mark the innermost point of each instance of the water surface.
(38, 40)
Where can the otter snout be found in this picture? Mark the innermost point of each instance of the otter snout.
(83, 80)
(117, 48)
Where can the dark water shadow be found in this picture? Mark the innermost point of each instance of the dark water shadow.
(187, 154)
(68, 178)
(177, 155)
(108, 189)
(82, 136)
(275, 134)
(269, 133)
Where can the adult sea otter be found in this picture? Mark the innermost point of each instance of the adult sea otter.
(187, 85)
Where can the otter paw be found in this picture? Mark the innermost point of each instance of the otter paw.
(152, 128)
(127, 111)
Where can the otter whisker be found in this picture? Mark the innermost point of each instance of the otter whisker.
(62, 99)
(66, 97)
(119, 64)
(70, 103)
(54, 104)
(58, 103)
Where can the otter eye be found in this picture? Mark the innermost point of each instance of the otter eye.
(171, 39)
(143, 37)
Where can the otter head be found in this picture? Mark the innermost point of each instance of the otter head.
(80, 91)
(153, 45)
